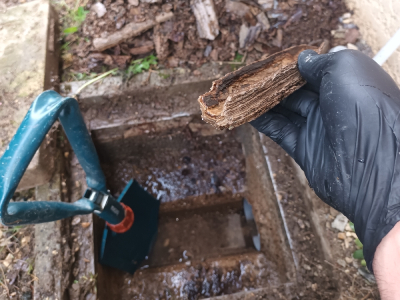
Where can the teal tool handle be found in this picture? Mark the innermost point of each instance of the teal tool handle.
(44, 111)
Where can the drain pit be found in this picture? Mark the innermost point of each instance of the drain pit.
(204, 246)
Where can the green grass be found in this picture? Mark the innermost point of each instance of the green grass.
(14, 229)
(83, 76)
(238, 57)
(351, 224)
(138, 66)
(31, 264)
(79, 15)
(72, 76)
(358, 254)
(70, 30)
(65, 46)
(73, 18)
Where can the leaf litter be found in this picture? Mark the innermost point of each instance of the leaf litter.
(270, 27)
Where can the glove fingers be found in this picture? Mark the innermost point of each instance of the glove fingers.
(312, 67)
(279, 128)
(301, 102)
(295, 118)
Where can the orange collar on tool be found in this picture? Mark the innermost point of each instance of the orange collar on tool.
(126, 223)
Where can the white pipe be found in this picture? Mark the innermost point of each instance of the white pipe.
(388, 49)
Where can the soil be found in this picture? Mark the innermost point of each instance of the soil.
(292, 23)
(17, 258)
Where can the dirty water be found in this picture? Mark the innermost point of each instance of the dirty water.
(175, 166)
(190, 280)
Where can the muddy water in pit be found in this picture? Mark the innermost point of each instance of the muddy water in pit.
(204, 246)
(176, 166)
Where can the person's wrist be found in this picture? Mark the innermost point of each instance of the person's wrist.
(386, 265)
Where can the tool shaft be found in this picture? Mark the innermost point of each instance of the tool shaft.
(44, 111)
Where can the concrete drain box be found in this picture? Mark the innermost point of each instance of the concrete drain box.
(201, 176)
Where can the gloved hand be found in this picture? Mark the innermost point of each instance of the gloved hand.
(342, 128)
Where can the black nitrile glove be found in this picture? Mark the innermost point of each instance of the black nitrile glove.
(342, 128)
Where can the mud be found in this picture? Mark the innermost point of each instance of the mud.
(202, 234)
(177, 165)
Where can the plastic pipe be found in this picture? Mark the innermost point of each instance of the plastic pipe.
(388, 49)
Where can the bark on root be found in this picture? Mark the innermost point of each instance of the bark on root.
(242, 96)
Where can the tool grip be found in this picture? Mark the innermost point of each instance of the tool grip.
(44, 111)
(46, 211)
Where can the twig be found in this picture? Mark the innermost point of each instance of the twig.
(349, 297)
(5, 283)
(311, 262)
(234, 62)
(93, 81)
(352, 284)
(10, 250)
(146, 81)
(369, 293)
(77, 4)
(35, 278)
(5, 288)
(11, 236)
(338, 269)
(253, 3)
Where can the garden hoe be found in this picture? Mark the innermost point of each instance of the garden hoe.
(131, 219)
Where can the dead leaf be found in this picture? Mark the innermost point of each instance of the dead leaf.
(85, 224)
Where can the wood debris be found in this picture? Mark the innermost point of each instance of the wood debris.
(238, 8)
(99, 9)
(242, 96)
(119, 61)
(243, 33)
(142, 49)
(206, 18)
(263, 20)
(277, 41)
(266, 4)
(130, 30)
(133, 2)
(160, 39)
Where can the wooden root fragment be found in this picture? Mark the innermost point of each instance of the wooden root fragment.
(206, 18)
(129, 30)
(142, 50)
(242, 96)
